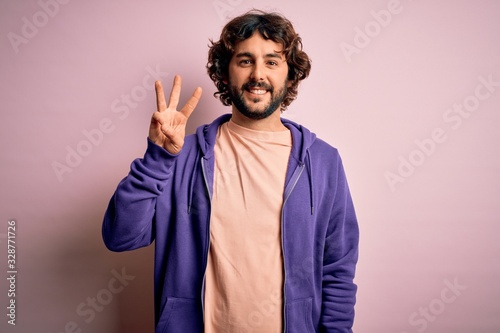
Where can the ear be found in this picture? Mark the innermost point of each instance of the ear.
(289, 82)
(225, 80)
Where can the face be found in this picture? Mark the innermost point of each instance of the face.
(257, 77)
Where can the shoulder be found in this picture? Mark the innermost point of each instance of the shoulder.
(322, 148)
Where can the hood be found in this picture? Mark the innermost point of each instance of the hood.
(302, 140)
(206, 135)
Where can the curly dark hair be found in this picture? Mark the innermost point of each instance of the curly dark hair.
(271, 26)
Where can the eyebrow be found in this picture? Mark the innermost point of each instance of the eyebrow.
(250, 55)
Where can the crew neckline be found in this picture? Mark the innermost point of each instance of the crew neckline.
(279, 136)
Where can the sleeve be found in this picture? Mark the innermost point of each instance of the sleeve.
(340, 259)
(128, 220)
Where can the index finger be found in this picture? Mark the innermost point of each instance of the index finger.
(192, 102)
(161, 105)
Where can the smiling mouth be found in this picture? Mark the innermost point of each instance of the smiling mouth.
(257, 91)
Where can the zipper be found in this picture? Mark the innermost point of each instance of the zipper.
(208, 241)
(293, 181)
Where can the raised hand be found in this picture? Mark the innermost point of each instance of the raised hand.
(168, 126)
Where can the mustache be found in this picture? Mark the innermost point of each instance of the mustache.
(261, 85)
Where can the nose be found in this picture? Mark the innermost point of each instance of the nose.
(257, 73)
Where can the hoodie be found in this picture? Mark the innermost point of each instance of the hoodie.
(166, 199)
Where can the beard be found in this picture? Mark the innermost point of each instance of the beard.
(277, 98)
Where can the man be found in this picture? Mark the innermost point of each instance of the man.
(252, 219)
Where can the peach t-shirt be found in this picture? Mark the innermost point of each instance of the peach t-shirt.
(244, 277)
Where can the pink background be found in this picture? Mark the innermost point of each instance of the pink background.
(429, 244)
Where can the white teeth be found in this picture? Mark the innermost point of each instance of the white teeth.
(258, 92)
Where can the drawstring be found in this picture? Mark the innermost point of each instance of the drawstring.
(191, 181)
(309, 173)
(308, 162)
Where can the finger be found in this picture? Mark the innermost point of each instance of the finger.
(192, 102)
(175, 93)
(156, 119)
(161, 105)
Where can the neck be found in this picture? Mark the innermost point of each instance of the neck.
(272, 123)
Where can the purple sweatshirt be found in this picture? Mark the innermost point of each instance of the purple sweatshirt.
(166, 199)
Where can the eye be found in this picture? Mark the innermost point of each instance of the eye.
(245, 62)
